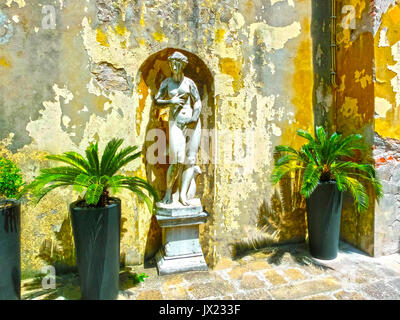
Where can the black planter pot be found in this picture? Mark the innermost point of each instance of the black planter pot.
(324, 208)
(10, 250)
(97, 242)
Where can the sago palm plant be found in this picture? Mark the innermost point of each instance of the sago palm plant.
(324, 159)
(93, 176)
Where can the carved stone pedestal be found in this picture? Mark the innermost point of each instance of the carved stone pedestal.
(181, 250)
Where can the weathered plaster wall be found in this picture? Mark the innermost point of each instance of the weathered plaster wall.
(387, 124)
(83, 80)
(367, 102)
(353, 110)
(322, 62)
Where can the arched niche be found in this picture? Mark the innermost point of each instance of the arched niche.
(151, 73)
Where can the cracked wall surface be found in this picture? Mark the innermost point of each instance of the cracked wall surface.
(353, 110)
(62, 88)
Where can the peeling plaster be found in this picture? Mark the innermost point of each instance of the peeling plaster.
(383, 40)
(381, 7)
(8, 28)
(289, 2)
(382, 106)
(274, 38)
(396, 69)
(20, 3)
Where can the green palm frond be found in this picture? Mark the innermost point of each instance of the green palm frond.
(68, 160)
(115, 182)
(79, 159)
(93, 193)
(83, 180)
(109, 155)
(305, 134)
(284, 170)
(322, 159)
(42, 192)
(321, 135)
(358, 192)
(123, 158)
(311, 177)
(92, 155)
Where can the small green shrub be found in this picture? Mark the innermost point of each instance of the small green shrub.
(138, 278)
(10, 179)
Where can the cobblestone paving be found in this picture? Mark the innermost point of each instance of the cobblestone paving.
(286, 272)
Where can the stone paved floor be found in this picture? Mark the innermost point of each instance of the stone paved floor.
(285, 272)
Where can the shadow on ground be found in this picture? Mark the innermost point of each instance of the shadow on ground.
(281, 254)
(67, 285)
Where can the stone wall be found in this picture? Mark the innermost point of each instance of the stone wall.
(80, 76)
(353, 109)
(387, 220)
(387, 123)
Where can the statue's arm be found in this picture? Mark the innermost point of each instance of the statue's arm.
(197, 102)
(159, 97)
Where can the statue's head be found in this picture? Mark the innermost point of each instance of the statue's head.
(177, 62)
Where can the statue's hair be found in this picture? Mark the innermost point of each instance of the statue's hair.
(178, 56)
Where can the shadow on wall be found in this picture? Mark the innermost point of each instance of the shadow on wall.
(152, 72)
(281, 220)
(60, 252)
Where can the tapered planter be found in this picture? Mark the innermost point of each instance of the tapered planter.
(10, 250)
(97, 242)
(324, 208)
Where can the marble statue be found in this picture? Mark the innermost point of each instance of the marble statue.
(181, 95)
(180, 214)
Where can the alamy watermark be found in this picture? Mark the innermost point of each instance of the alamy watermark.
(50, 17)
(234, 146)
(49, 280)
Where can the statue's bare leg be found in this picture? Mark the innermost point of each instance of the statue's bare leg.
(172, 174)
(192, 186)
(189, 171)
(187, 177)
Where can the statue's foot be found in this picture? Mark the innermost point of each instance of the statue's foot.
(167, 198)
(184, 200)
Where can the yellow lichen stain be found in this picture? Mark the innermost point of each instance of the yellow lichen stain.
(349, 110)
(343, 38)
(302, 84)
(219, 35)
(121, 30)
(123, 44)
(394, 14)
(142, 15)
(159, 36)
(362, 78)
(359, 5)
(143, 93)
(101, 38)
(342, 85)
(5, 63)
(232, 68)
